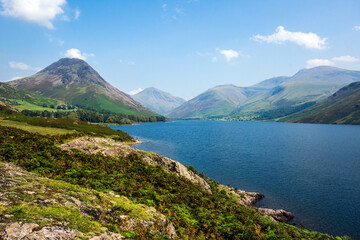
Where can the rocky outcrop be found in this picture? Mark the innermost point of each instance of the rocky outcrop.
(277, 215)
(33, 207)
(112, 148)
(248, 199)
(31, 231)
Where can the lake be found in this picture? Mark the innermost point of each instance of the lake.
(311, 170)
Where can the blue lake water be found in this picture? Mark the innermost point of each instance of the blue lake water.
(312, 170)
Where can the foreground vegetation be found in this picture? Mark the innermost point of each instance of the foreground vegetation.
(60, 205)
(195, 213)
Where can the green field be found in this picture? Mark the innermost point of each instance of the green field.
(34, 129)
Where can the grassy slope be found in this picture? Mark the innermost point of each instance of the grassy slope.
(341, 108)
(34, 129)
(285, 99)
(53, 126)
(21, 99)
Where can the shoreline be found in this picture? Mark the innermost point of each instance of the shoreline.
(247, 199)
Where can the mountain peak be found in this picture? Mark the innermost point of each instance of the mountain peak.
(326, 74)
(158, 100)
(321, 70)
(65, 62)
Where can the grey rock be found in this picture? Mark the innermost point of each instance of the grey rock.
(16, 230)
(279, 215)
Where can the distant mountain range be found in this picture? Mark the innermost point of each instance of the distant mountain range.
(157, 100)
(269, 99)
(75, 82)
(317, 95)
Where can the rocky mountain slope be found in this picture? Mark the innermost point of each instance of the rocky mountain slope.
(76, 82)
(157, 100)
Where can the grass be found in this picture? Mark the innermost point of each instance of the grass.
(70, 125)
(34, 129)
(29, 106)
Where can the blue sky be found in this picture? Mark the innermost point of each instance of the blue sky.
(182, 46)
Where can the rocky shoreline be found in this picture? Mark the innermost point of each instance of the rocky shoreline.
(249, 199)
(112, 148)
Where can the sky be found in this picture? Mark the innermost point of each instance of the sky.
(183, 47)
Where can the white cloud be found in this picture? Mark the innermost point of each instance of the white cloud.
(229, 54)
(357, 28)
(77, 14)
(214, 59)
(346, 58)
(131, 63)
(308, 40)
(330, 62)
(76, 53)
(319, 62)
(133, 92)
(19, 65)
(42, 12)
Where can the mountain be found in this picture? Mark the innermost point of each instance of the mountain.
(217, 101)
(76, 82)
(269, 99)
(298, 92)
(157, 100)
(343, 107)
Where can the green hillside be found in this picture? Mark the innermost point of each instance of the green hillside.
(21, 99)
(343, 107)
